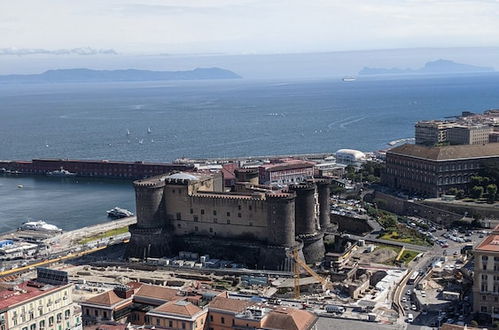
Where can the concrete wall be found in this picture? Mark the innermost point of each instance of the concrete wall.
(404, 207)
(485, 211)
(350, 224)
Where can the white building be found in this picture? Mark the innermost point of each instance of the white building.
(350, 157)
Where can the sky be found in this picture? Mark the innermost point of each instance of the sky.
(107, 27)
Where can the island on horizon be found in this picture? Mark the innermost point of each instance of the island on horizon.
(89, 75)
(440, 66)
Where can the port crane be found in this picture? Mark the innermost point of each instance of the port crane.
(299, 263)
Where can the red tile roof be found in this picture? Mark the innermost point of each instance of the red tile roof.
(108, 298)
(289, 319)
(9, 298)
(180, 307)
(157, 292)
(489, 244)
(229, 304)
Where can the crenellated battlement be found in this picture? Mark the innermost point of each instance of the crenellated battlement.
(302, 186)
(282, 196)
(150, 183)
(232, 196)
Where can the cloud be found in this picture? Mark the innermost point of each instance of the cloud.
(73, 51)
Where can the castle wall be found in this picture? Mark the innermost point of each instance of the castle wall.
(216, 215)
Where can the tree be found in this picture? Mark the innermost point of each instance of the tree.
(474, 323)
(477, 192)
(491, 193)
(476, 180)
(452, 191)
(460, 194)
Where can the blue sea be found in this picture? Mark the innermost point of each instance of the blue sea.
(204, 119)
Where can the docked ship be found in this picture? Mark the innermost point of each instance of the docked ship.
(40, 226)
(61, 172)
(118, 213)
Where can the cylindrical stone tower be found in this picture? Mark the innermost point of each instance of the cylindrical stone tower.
(305, 217)
(281, 217)
(247, 175)
(323, 187)
(149, 235)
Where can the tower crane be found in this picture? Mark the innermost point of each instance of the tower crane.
(298, 263)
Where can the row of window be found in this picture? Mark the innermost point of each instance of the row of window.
(58, 319)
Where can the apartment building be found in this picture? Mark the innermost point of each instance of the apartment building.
(486, 280)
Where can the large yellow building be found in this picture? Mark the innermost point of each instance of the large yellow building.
(35, 305)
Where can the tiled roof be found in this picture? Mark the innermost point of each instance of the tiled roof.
(10, 298)
(229, 304)
(157, 292)
(108, 298)
(181, 308)
(489, 244)
(289, 319)
(447, 152)
(287, 164)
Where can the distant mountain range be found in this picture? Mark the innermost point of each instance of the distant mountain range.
(88, 75)
(434, 67)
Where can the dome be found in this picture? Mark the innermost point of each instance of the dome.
(356, 154)
(182, 176)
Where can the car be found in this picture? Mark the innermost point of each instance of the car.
(413, 307)
(406, 307)
(404, 299)
(410, 318)
(408, 292)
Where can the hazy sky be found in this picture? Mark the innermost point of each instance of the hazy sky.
(247, 26)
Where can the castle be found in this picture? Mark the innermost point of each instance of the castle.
(255, 225)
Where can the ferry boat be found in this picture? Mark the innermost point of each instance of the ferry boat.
(40, 226)
(61, 172)
(117, 213)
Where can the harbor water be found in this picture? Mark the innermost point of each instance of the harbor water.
(162, 121)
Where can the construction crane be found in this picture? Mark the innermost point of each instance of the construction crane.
(298, 263)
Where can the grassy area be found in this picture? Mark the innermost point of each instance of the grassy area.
(405, 235)
(408, 256)
(109, 233)
(396, 249)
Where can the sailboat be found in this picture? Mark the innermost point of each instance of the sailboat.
(127, 132)
(141, 141)
(149, 130)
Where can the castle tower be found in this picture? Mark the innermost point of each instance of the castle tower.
(306, 222)
(149, 235)
(324, 190)
(281, 218)
(247, 175)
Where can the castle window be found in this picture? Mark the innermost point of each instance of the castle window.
(239, 207)
(215, 220)
(228, 221)
(214, 212)
(250, 207)
(239, 215)
(178, 225)
(211, 230)
(173, 191)
(196, 228)
(202, 211)
(179, 216)
(196, 219)
(228, 214)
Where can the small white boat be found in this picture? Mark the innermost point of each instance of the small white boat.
(141, 141)
(149, 130)
(349, 79)
(61, 172)
(20, 186)
(127, 132)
